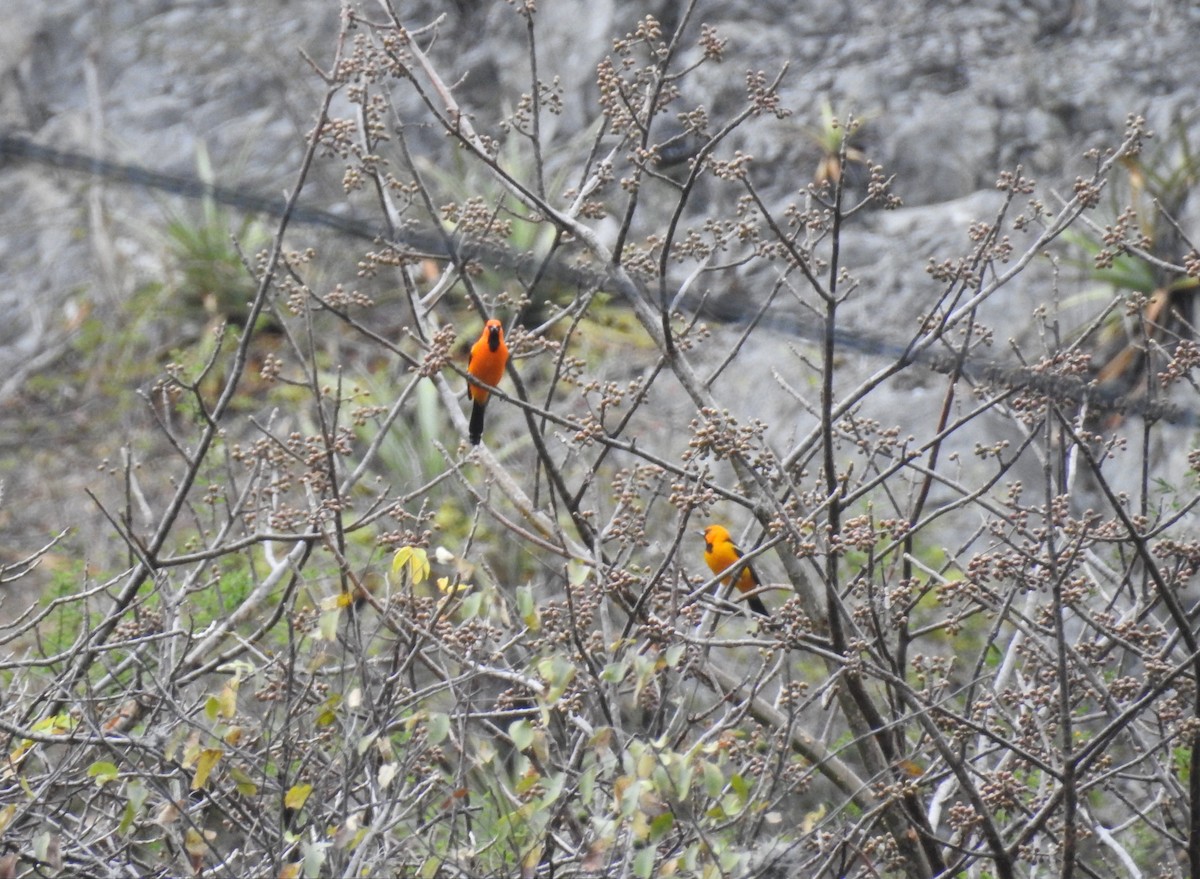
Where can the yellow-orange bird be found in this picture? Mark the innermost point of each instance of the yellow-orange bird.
(721, 554)
(489, 355)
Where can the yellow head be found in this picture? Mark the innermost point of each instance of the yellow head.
(715, 534)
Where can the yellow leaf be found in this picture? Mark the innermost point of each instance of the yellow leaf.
(55, 725)
(227, 701)
(912, 768)
(196, 844)
(297, 796)
(445, 588)
(415, 560)
(191, 750)
(204, 766)
(533, 857)
(15, 759)
(646, 763)
(811, 819)
(400, 559)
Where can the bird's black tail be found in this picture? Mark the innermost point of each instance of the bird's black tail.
(757, 606)
(476, 432)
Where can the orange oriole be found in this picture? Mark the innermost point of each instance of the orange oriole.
(720, 554)
(489, 355)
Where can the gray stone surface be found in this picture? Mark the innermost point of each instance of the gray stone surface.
(953, 93)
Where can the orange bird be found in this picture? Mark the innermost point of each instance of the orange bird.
(489, 356)
(721, 554)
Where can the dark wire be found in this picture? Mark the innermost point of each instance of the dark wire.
(1060, 388)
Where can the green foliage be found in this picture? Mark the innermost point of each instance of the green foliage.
(62, 626)
(1132, 252)
(223, 593)
(210, 277)
(835, 139)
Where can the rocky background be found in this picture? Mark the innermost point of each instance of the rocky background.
(952, 94)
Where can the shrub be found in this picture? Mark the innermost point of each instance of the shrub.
(353, 645)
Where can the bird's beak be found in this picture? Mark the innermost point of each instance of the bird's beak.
(699, 532)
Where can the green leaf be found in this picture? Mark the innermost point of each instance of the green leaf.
(328, 713)
(614, 672)
(714, 779)
(661, 825)
(578, 572)
(521, 733)
(41, 845)
(681, 778)
(527, 609)
(587, 784)
(365, 742)
(245, 784)
(471, 606)
(438, 727)
(127, 816)
(740, 786)
(554, 787)
(314, 858)
(485, 753)
(136, 794)
(103, 772)
(643, 863)
(558, 672)
(527, 782)
(328, 624)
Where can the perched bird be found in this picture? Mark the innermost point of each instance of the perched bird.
(721, 554)
(489, 355)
